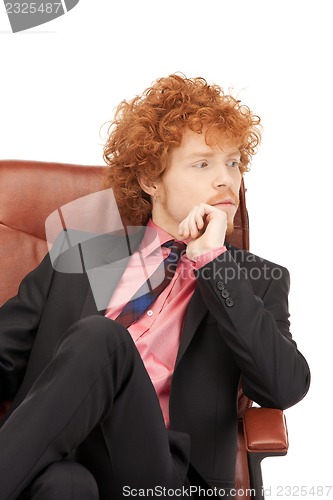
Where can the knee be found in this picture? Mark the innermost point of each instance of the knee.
(66, 480)
(98, 334)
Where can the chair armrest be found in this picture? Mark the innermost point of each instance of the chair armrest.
(265, 435)
(265, 431)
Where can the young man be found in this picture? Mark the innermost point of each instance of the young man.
(108, 403)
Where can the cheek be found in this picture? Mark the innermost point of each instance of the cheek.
(181, 195)
(238, 179)
(176, 193)
(178, 204)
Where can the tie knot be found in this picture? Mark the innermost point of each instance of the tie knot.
(177, 250)
(176, 247)
(175, 243)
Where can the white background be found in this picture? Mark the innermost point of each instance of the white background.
(61, 81)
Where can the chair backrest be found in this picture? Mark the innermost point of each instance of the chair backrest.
(29, 192)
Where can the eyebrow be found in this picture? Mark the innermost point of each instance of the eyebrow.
(209, 154)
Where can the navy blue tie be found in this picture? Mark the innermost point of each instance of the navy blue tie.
(141, 301)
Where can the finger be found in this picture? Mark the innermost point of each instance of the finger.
(184, 226)
(194, 222)
(217, 225)
(183, 229)
(199, 217)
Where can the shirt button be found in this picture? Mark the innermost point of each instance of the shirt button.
(229, 302)
(150, 312)
(225, 294)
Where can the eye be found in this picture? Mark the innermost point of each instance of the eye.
(201, 164)
(233, 164)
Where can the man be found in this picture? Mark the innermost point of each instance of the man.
(108, 404)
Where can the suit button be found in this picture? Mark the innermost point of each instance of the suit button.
(225, 294)
(229, 302)
(220, 285)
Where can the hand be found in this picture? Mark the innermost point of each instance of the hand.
(207, 226)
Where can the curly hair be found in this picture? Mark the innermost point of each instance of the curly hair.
(146, 128)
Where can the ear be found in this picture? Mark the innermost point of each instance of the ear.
(148, 186)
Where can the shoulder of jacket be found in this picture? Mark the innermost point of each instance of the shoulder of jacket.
(245, 258)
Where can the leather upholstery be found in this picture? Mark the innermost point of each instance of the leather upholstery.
(265, 430)
(29, 192)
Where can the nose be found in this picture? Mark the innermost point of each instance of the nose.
(223, 177)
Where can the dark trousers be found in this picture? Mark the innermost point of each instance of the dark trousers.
(64, 480)
(95, 397)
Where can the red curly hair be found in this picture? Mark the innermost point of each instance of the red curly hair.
(145, 130)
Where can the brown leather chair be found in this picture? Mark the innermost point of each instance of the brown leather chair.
(29, 192)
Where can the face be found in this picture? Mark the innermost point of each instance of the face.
(196, 173)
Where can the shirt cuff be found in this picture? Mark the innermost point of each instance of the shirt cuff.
(204, 258)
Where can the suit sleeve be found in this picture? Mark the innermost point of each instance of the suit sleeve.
(19, 321)
(256, 328)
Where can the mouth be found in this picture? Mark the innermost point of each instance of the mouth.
(228, 203)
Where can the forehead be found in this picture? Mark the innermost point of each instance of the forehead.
(193, 142)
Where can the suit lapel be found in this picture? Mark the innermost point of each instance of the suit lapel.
(109, 264)
(89, 306)
(195, 313)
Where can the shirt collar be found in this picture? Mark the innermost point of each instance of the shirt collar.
(154, 238)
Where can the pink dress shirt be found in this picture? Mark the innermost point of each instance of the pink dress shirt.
(157, 331)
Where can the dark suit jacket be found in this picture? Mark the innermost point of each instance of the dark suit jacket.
(236, 325)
